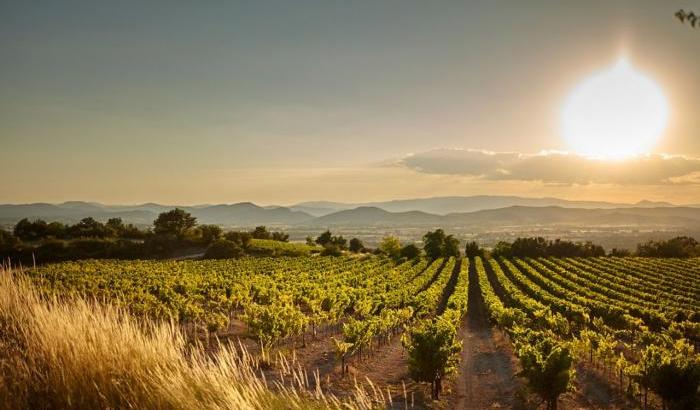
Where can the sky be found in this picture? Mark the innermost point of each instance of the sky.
(283, 102)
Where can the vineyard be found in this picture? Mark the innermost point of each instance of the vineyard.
(566, 326)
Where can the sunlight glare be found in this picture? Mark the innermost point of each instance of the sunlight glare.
(615, 114)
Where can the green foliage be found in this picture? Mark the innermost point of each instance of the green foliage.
(678, 247)
(223, 249)
(242, 239)
(390, 246)
(326, 239)
(535, 247)
(331, 250)
(30, 231)
(433, 352)
(176, 223)
(436, 244)
(673, 372)
(7, 239)
(271, 247)
(210, 233)
(268, 323)
(547, 366)
(356, 245)
(472, 250)
(410, 252)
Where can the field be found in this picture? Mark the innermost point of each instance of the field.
(353, 322)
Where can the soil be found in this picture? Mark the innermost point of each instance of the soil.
(486, 377)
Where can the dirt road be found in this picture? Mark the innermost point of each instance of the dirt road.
(487, 371)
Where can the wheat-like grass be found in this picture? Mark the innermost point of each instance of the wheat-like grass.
(78, 354)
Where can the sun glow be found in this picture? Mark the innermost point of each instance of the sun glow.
(615, 114)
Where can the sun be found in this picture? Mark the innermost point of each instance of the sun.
(615, 114)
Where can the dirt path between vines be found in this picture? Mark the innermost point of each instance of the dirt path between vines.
(487, 369)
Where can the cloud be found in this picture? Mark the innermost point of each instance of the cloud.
(556, 167)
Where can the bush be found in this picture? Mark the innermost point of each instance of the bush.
(472, 250)
(210, 233)
(547, 366)
(223, 249)
(331, 250)
(356, 245)
(410, 251)
(433, 352)
(390, 246)
(679, 247)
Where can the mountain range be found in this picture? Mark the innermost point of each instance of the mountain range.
(465, 212)
(455, 204)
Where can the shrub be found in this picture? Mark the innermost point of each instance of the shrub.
(433, 352)
(223, 249)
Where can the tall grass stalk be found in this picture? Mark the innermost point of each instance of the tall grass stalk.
(78, 354)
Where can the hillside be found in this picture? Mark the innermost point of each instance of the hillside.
(459, 204)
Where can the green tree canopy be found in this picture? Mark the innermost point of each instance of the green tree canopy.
(391, 247)
(356, 245)
(175, 223)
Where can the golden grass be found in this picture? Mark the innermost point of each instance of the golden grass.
(73, 353)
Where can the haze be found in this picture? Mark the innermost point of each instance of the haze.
(284, 102)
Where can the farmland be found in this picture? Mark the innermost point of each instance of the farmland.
(604, 321)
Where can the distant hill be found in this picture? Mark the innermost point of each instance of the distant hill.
(248, 214)
(554, 215)
(517, 216)
(242, 214)
(373, 216)
(456, 204)
(325, 214)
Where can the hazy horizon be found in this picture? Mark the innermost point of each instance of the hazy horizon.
(320, 201)
(280, 103)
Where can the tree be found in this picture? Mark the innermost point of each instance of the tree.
(533, 247)
(56, 230)
(410, 251)
(115, 226)
(433, 243)
(280, 236)
(88, 228)
(391, 247)
(30, 231)
(547, 366)
(678, 247)
(261, 232)
(7, 239)
(356, 245)
(175, 223)
(472, 250)
(210, 233)
(242, 239)
(340, 242)
(620, 252)
(223, 249)
(325, 238)
(689, 16)
(502, 249)
(433, 352)
(450, 247)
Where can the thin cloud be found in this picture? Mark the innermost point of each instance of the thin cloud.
(556, 167)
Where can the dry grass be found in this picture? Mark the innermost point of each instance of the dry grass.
(78, 354)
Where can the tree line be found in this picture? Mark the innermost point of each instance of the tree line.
(174, 231)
